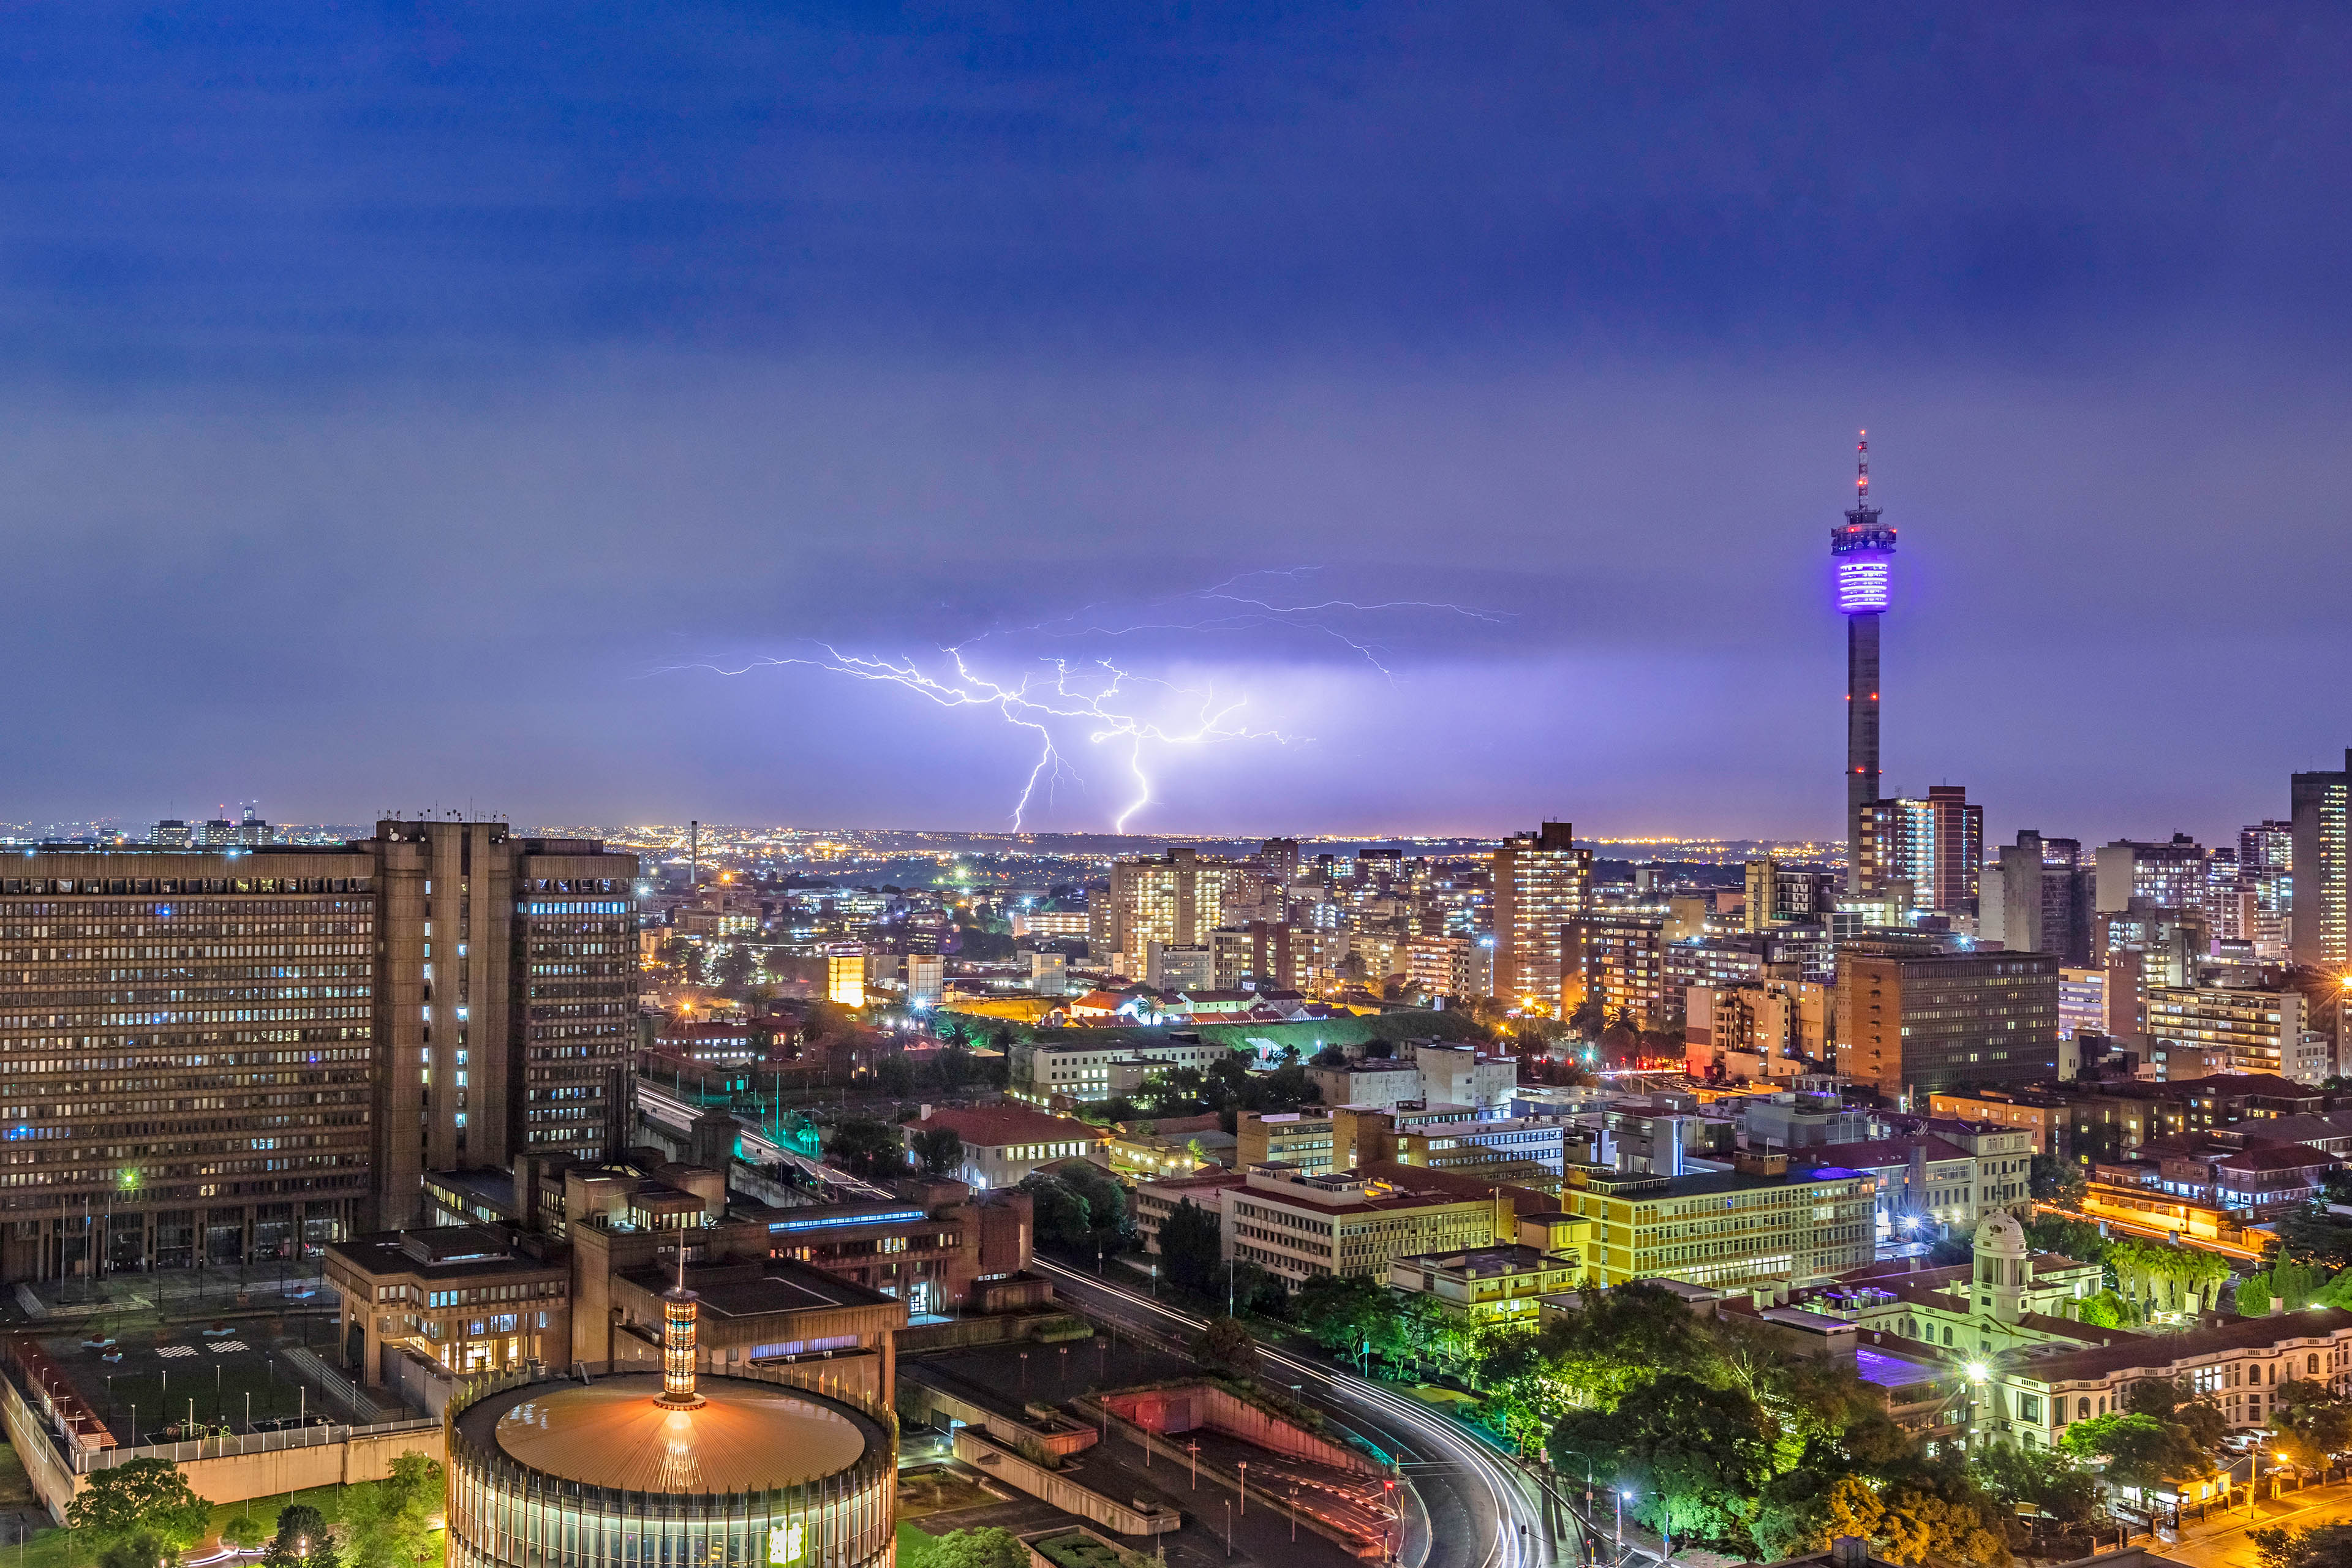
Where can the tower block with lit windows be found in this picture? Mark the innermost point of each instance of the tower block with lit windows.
(1861, 550)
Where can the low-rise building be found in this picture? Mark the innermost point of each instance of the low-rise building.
(1498, 1283)
(1300, 1139)
(1169, 1146)
(1088, 1073)
(1755, 1224)
(1355, 1222)
(471, 1298)
(1004, 1143)
(2241, 1364)
(1374, 1083)
(2043, 1116)
(1926, 1186)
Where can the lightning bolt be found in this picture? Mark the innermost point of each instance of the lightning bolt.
(1098, 694)
(1057, 688)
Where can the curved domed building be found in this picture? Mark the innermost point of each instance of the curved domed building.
(643, 1470)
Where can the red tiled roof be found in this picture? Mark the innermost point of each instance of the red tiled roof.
(1875, 1152)
(995, 1126)
(2278, 1157)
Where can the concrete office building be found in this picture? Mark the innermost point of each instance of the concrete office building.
(1542, 882)
(184, 1056)
(1917, 1023)
(2036, 898)
(505, 1002)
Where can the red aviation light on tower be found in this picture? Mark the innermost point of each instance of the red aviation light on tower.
(1862, 548)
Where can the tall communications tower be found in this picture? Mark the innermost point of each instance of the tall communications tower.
(1862, 551)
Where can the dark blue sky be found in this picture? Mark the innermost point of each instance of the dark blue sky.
(409, 404)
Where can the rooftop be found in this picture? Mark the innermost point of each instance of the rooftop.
(2161, 1353)
(1876, 1152)
(445, 1252)
(756, 1290)
(997, 1126)
(745, 1436)
(1484, 1262)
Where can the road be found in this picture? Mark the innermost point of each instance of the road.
(1481, 1509)
(2222, 1543)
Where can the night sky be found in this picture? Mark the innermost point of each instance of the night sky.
(415, 405)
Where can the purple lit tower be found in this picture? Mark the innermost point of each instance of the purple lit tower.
(1861, 550)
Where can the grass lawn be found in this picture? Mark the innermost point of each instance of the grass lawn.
(1436, 1396)
(915, 1546)
(57, 1548)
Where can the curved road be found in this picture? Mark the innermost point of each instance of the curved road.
(1482, 1510)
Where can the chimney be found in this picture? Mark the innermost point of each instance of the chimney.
(1849, 1552)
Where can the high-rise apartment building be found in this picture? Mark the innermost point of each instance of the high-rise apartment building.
(1923, 1022)
(2199, 1030)
(2266, 867)
(1781, 895)
(184, 1056)
(1863, 551)
(1542, 882)
(2170, 876)
(1935, 847)
(1280, 858)
(2321, 935)
(1458, 967)
(1618, 959)
(1176, 899)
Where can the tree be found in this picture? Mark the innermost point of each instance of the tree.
(2038, 1477)
(148, 1502)
(1251, 1289)
(1107, 1216)
(2321, 1546)
(2316, 1237)
(1225, 1346)
(1189, 1245)
(1062, 1216)
(1345, 1313)
(939, 1150)
(1692, 1455)
(865, 1147)
(305, 1549)
(2314, 1420)
(391, 1526)
(2175, 1404)
(297, 1523)
(987, 1546)
(2056, 1179)
(1920, 1527)
(2140, 1450)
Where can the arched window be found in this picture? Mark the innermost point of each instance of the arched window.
(2312, 1365)
(2082, 1409)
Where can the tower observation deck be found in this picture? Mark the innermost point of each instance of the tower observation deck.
(1863, 551)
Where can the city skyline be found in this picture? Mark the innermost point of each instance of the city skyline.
(432, 407)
